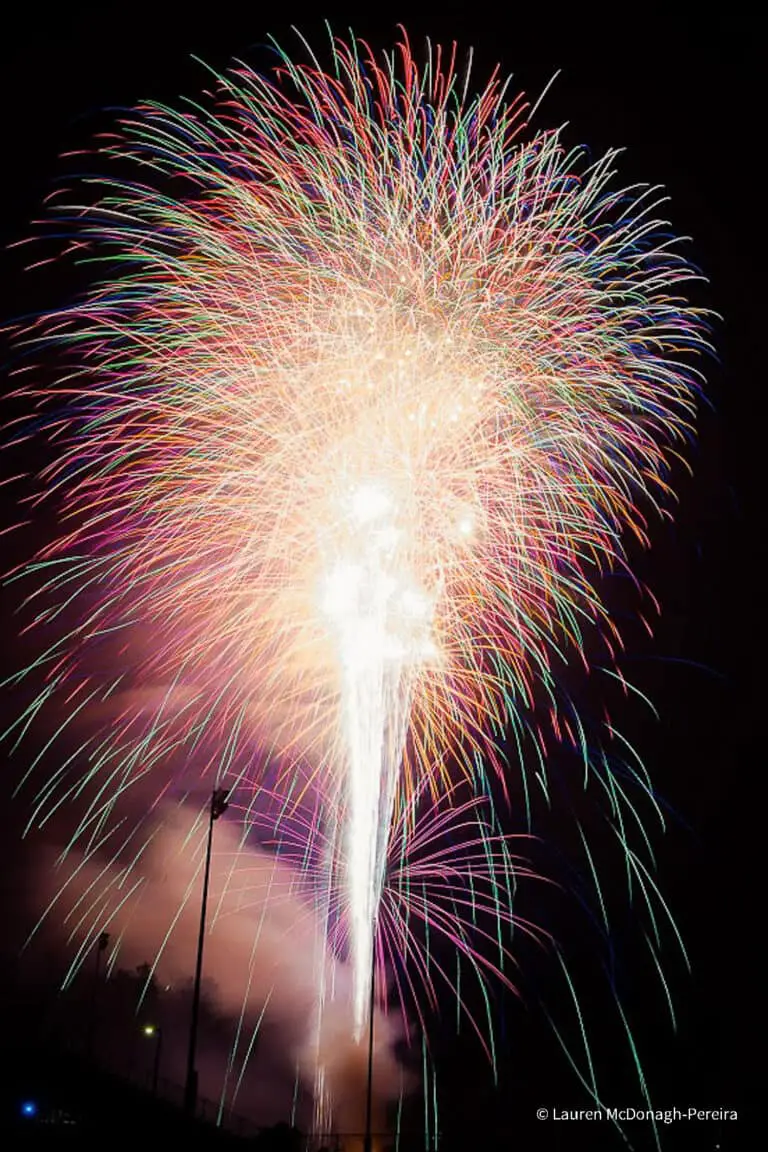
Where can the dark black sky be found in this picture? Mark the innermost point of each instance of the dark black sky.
(677, 91)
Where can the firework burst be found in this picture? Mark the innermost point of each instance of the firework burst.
(372, 390)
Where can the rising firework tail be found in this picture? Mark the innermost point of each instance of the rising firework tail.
(371, 388)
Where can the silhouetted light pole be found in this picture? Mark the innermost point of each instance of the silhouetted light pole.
(368, 1146)
(101, 947)
(152, 1030)
(218, 807)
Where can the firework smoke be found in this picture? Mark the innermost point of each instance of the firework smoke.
(265, 947)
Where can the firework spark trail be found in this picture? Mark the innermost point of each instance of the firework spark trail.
(365, 599)
(356, 423)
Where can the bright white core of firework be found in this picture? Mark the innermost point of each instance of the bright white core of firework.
(381, 620)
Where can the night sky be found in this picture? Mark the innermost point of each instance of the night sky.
(677, 93)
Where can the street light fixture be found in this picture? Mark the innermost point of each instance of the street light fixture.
(153, 1030)
(218, 806)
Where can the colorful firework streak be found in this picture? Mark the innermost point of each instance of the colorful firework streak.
(373, 389)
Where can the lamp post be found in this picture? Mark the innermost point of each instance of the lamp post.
(368, 1144)
(219, 805)
(102, 942)
(152, 1030)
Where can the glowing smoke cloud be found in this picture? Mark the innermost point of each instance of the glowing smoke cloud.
(265, 947)
(358, 418)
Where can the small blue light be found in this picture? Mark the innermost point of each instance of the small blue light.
(29, 1108)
